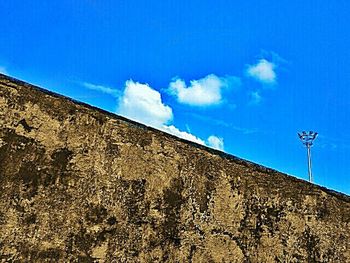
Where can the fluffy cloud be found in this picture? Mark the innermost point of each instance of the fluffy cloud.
(107, 90)
(184, 135)
(216, 142)
(263, 71)
(201, 92)
(141, 103)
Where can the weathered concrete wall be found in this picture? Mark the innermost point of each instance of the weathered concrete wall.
(78, 184)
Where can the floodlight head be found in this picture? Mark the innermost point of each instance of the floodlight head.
(307, 138)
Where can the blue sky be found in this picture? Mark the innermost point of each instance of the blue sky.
(242, 76)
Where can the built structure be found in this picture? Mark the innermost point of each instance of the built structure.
(79, 184)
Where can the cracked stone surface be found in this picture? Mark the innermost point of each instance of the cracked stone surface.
(78, 184)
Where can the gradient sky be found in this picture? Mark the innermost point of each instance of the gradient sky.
(241, 76)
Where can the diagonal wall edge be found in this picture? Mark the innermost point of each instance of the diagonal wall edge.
(81, 184)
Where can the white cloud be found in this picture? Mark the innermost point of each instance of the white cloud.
(141, 103)
(216, 142)
(263, 71)
(202, 92)
(255, 97)
(104, 89)
(3, 70)
(182, 134)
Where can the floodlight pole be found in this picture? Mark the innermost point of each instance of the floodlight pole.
(307, 139)
(308, 146)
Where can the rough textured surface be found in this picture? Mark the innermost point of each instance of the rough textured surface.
(78, 184)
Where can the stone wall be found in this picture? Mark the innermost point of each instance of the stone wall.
(78, 184)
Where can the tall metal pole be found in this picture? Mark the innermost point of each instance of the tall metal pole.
(307, 139)
(309, 162)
